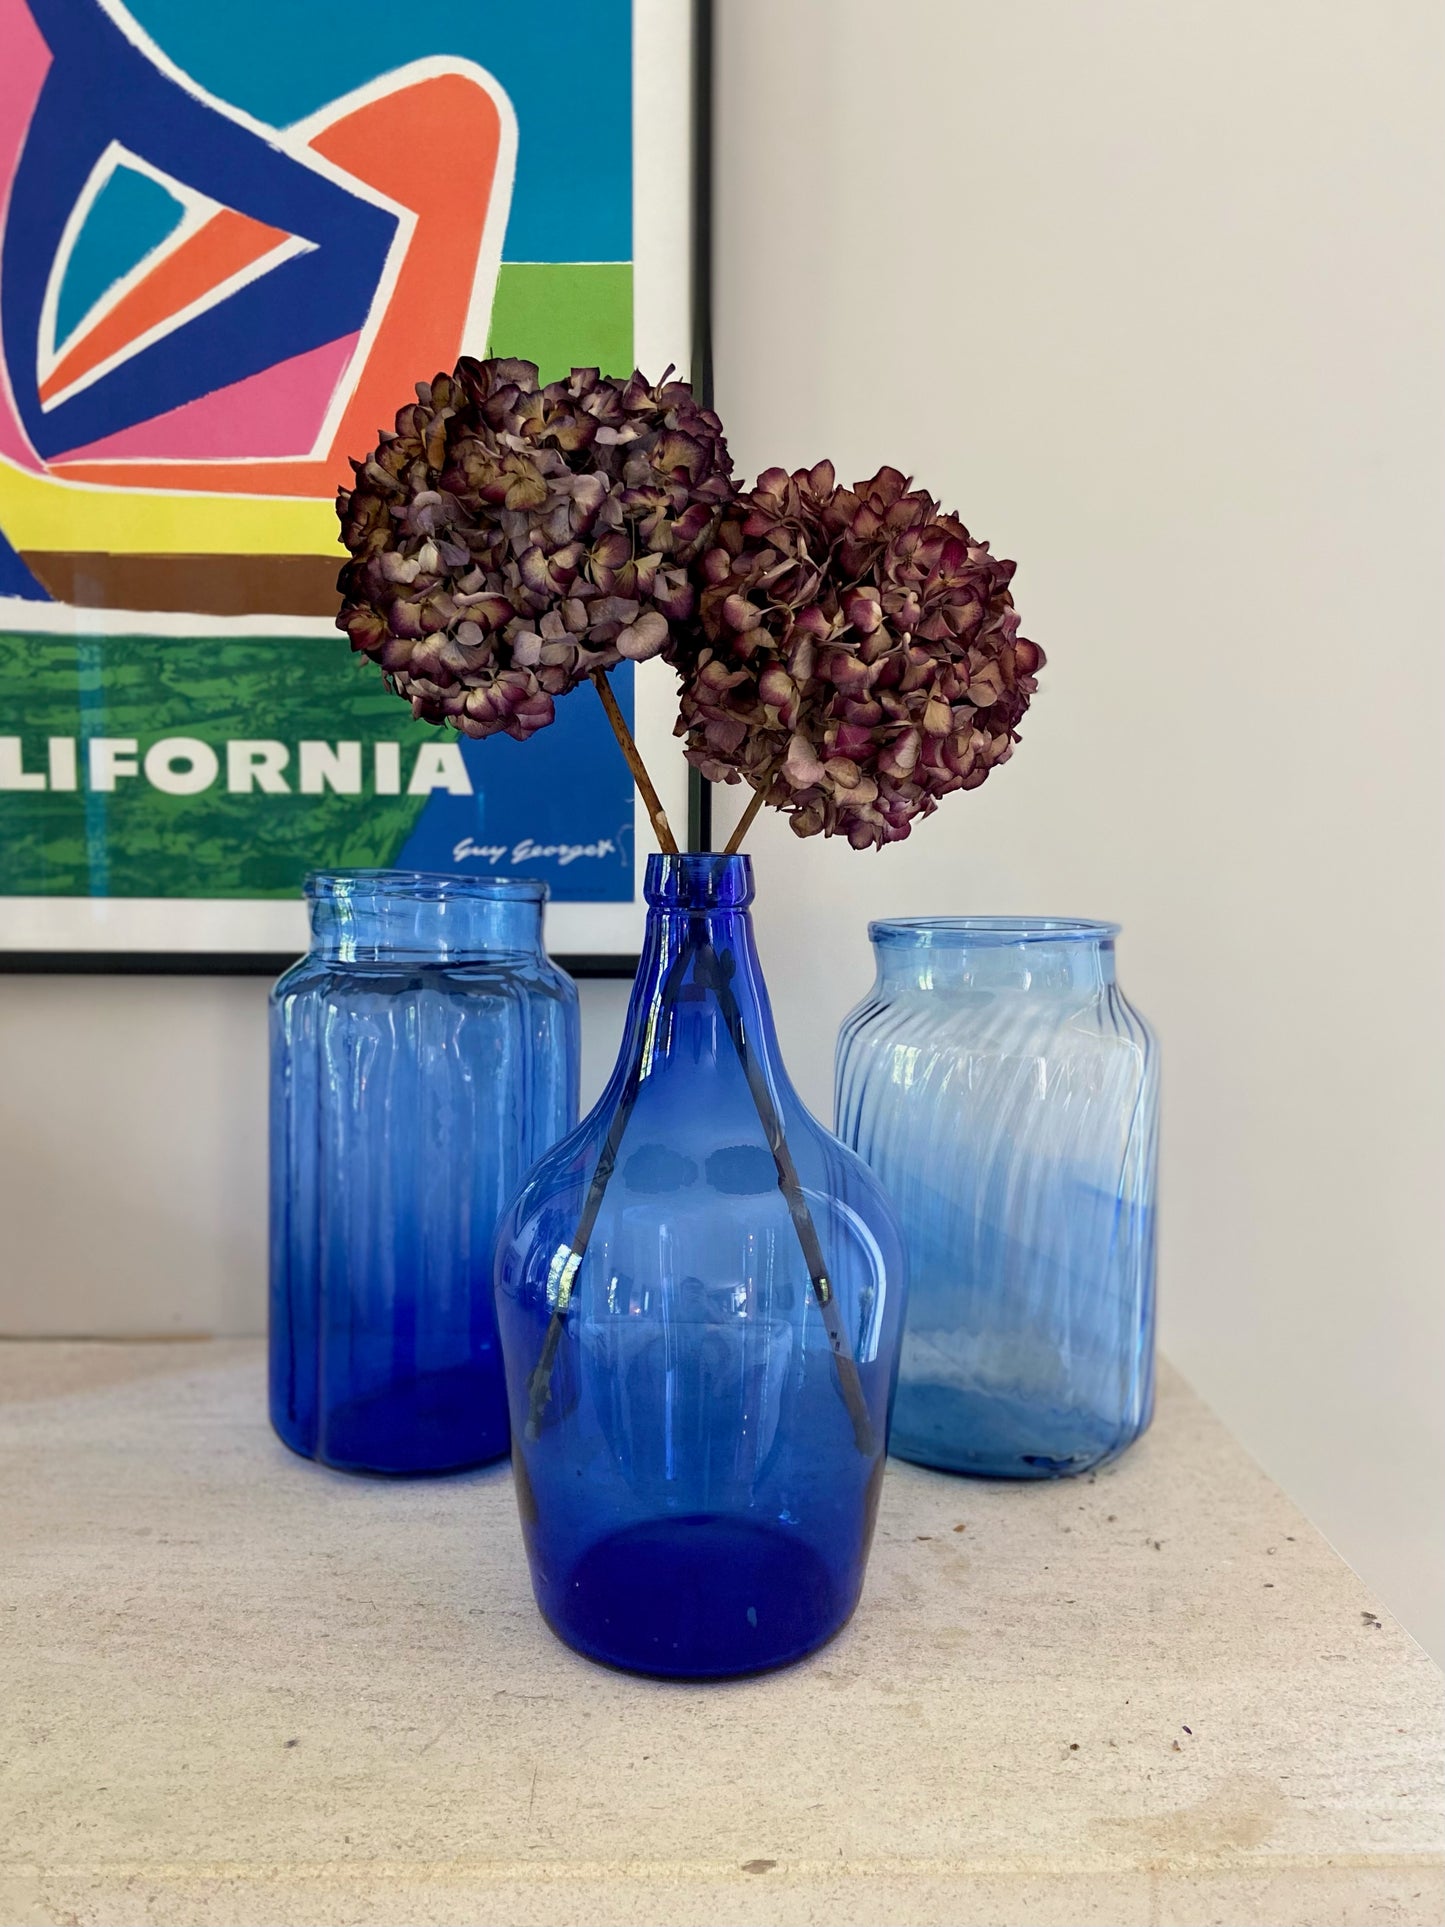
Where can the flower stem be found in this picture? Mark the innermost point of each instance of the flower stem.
(745, 823)
(713, 973)
(717, 973)
(539, 1385)
(653, 802)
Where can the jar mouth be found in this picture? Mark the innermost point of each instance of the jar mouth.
(424, 886)
(971, 933)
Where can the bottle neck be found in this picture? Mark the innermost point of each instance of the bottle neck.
(395, 917)
(699, 974)
(1065, 964)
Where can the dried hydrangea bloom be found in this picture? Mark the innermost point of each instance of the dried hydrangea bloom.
(858, 655)
(510, 539)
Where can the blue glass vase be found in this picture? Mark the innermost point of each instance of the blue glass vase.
(700, 1297)
(423, 1054)
(1007, 1094)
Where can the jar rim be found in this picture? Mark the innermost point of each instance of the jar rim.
(957, 933)
(427, 886)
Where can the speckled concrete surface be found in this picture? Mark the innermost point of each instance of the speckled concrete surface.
(235, 1688)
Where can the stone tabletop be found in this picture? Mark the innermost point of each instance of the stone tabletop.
(235, 1687)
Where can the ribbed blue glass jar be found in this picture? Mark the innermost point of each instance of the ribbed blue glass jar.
(999, 1083)
(700, 1295)
(423, 1053)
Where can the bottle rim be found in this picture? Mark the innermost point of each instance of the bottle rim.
(698, 880)
(959, 933)
(423, 886)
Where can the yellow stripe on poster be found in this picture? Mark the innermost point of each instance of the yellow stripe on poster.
(39, 512)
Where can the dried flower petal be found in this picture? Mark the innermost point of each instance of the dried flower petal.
(857, 654)
(510, 539)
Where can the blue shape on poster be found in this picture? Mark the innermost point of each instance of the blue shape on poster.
(16, 579)
(282, 59)
(102, 88)
(559, 807)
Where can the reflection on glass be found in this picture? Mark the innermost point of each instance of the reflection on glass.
(424, 1053)
(700, 1299)
(1006, 1093)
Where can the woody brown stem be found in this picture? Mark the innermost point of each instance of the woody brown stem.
(657, 815)
(745, 823)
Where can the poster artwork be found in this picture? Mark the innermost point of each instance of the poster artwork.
(233, 237)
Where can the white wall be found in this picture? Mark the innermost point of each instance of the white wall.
(1153, 295)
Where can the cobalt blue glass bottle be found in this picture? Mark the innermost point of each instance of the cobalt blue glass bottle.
(423, 1054)
(1007, 1094)
(700, 1296)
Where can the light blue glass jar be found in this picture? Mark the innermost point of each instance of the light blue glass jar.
(423, 1053)
(999, 1083)
(700, 1295)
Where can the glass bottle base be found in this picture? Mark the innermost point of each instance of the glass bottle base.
(698, 1598)
(427, 1426)
(986, 1435)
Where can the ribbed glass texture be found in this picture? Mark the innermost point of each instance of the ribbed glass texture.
(999, 1083)
(700, 1299)
(423, 1054)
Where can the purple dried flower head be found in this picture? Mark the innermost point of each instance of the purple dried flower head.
(857, 655)
(510, 539)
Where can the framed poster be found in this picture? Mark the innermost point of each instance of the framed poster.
(232, 238)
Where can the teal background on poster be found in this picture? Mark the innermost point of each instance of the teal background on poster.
(566, 65)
